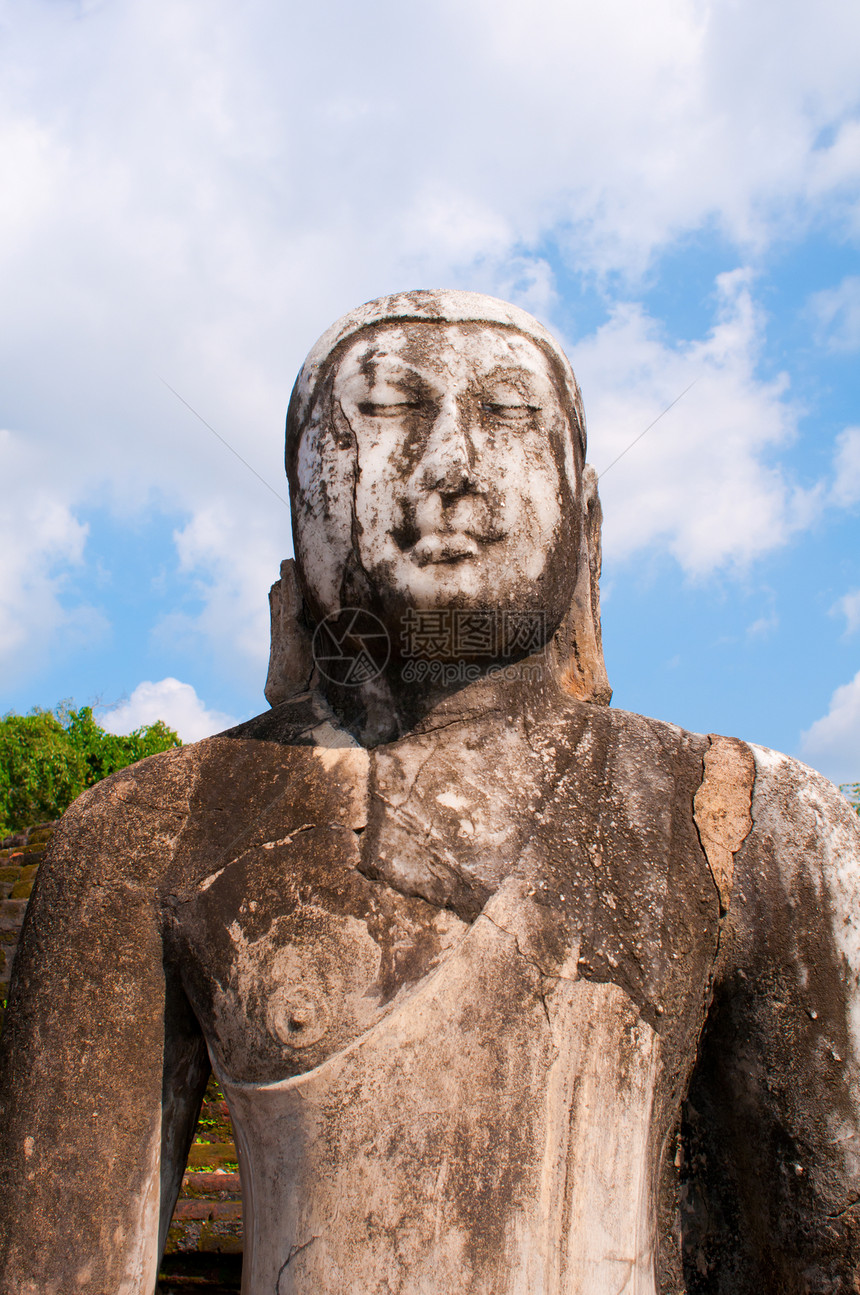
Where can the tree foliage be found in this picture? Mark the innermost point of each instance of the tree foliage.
(851, 790)
(47, 758)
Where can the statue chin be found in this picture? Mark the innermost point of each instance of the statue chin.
(481, 581)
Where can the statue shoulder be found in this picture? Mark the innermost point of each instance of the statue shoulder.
(789, 808)
(121, 828)
(799, 809)
(626, 730)
(305, 720)
(166, 817)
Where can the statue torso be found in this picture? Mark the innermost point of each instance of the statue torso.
(452, 988)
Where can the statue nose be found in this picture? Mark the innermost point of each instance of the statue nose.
(449, 459)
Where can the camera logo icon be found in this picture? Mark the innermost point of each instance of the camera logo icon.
(351, 647)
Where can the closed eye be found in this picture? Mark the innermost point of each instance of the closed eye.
(386, 409)
(512, 411)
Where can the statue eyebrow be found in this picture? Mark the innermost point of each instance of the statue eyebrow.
(508, 371)
(400, 375)
(517, 378)
(393, 361)
(397, 375)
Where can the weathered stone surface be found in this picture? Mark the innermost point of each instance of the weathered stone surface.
(291, 664)
(774, 1118)
(721, 808)
(436, 459)
(509, 992)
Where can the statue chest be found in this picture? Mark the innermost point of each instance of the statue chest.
(452, 1011)
(334, 906)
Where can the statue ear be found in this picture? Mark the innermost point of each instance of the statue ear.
(593, 525)
(579, 640)
(291, 663)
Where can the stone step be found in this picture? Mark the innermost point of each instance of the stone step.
(209, 1210)
(212, 1153)
(203, 1183)
(12, 914)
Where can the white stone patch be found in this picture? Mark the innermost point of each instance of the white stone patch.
(352, 759)
(324, 511)
(815, 831)
(452, 800)
(599, 1121)
(210, 880)
(351, 767)
(330, 738)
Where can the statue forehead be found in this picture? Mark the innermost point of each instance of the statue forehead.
(442, 349)
(463, 319)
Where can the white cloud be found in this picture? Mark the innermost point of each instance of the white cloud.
(832, 743)
(232, 557)
(846, 488)
(176, 703)
(838, 312)
(705, 482)
(764, 627)
(849, 606)
(183, 208)
(42, 546)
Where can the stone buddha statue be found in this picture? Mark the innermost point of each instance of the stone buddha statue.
(509, 992)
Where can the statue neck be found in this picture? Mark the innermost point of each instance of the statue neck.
(420, 696)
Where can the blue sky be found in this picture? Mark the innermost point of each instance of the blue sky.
(193, 192)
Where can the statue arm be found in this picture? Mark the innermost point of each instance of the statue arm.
(774, 1123)
(96, 1040)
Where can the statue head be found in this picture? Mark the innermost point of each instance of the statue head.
(436, 459)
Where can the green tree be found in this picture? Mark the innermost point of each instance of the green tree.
(851, 790)
(47, 758)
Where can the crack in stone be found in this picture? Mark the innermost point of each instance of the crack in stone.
(288, 839)
(545, 975)
(411, 824)
(542, 995)
(722, 899)
(248, 831)
(703, 847)
(722, 904)
(418, 772)
(841, 1213)
(440, 868)
(629, 1264)
(461, 719)
(407, 892)
(293, 1251)
(722, 809)
(264, 845)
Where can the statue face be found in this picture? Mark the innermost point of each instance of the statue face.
(463, 474)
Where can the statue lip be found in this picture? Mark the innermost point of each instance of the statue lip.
(447, 549)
